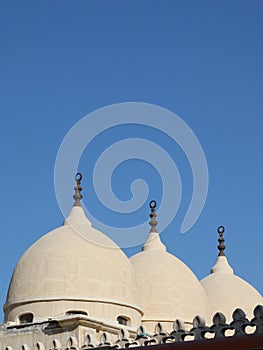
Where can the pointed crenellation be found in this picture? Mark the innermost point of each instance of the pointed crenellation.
(77, 195)
(221, 246)
(238, 324)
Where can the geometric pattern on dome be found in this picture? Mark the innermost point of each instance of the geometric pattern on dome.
(64, 265)
(166, 285)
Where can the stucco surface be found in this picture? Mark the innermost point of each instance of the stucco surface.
(227, 292)
(167, 287)
(66, 265)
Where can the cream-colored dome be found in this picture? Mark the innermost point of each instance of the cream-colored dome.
(227, 292)
(167, 287)
(65, 271)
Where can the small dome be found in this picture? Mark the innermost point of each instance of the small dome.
(226, 291)
(168, 288)
(65, 271)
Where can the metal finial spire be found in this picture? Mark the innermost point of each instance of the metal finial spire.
(153, 242)
(221, 247)
(78, 196)
(153, 222)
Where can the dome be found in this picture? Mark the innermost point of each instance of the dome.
(168, 289)
(66, 272)
(226, 291)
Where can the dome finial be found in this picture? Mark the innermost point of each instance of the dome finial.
(153, 222)
(221, 247)
(77, 195)
(153, 241)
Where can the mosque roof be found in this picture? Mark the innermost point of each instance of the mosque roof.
(66, 264)
(167, 287)
(225, 290)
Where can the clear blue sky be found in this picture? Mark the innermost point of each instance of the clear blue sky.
(203, 60)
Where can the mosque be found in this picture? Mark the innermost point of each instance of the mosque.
(69, 293)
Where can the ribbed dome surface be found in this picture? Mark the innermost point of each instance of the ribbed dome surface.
(67, 267)
(226, 291)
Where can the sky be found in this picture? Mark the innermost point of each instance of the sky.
(202, 60)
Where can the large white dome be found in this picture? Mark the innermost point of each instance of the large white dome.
(226, 291)
(167, 287)
(65, 271)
